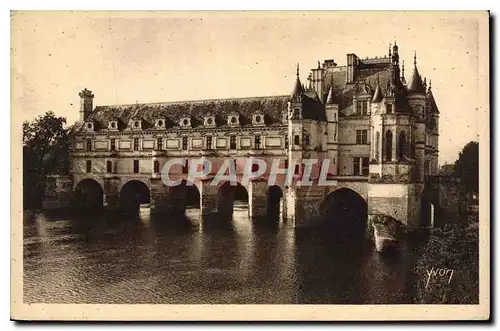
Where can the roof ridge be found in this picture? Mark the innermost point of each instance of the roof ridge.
(195, 101)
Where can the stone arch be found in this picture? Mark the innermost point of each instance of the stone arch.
(133, 195)
(275, 202)
(428, 208)
(227, 194)
(388, 146)
(184, 195)
(345, 212)
(88, 195)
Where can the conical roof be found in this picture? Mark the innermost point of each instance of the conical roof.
(416, 85)
(329, 98)
(297, 89)
(377, 96)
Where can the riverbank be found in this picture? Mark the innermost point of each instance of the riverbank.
(448, 265)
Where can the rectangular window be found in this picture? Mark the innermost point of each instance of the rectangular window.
(365, 167)
(257, 142)
(296, 113)
(89, 166)
(209, 142)
(358, 108)
(364, 108)
(184, 143)
(109, 167)
(286, 164)
(361, 136)
(156, 167)
(356, 166)
(296, 139)
(388, 109)
(136, 144)
(89, 145)
(159, 143)
(113, 144)
(136, 166)
(232, 142)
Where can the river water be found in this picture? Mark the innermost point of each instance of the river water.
(147, 260)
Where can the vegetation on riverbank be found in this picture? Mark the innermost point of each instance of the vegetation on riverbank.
(448, 265)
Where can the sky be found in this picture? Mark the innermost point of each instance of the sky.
(125, 58)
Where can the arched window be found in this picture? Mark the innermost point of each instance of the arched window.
(401, 145)
(377, 145)
(109, 166)
(156, 167)
(388, 145)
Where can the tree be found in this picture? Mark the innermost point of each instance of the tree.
(467, 167)
(45, 151)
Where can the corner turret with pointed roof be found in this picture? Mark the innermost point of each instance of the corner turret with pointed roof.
(416, 85)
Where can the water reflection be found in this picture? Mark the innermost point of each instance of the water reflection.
(149, 259)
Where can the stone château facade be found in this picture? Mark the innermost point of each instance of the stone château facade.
(379, 131)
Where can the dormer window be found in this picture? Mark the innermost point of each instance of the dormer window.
(185, 122)
(89, 126)
(113, 125)
(233, 120)
(362, 107)
(160, 123)
(137, 124)
(388, 108)
(258, 120)
(209, 121)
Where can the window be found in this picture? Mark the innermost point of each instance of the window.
(388, 145)
(156, 167)
(257, 119)
(89, 145)
(159, 143)
(362, 107)
(401, 145)
(388, 109)
(136, 144)
(113, 144)
(361, 136)
(89, 166)
(184, 143)
(365, 167)
(209, 142)
(296, 113)
(160, 123)
(361, 166)
(286, 141)
(257, 142)
(232, 142)
(109, 167)
(296, 139)
(356, 166)
(185, 167)
(233, 120)
(255, 167)
(136, 166)
(286, 164)
(306, 140)
(113, 125)
(297, 169)
(427, 166)
(136, 124)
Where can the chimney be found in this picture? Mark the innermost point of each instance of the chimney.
(86, 103)
(352, 63)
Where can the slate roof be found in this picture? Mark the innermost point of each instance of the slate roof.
(272, 107)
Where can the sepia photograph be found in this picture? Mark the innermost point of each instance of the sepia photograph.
(254, 165)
